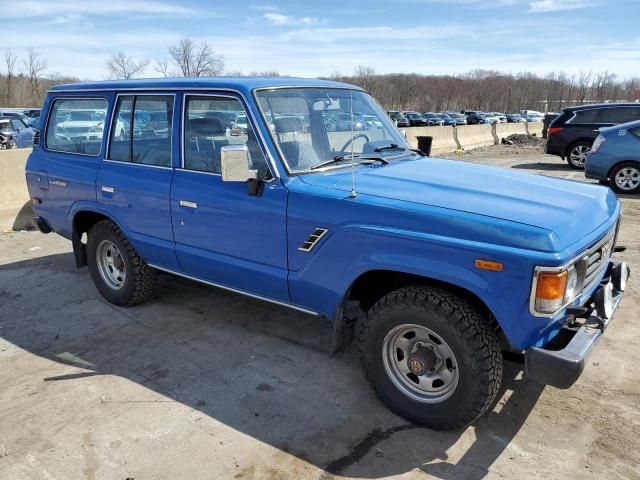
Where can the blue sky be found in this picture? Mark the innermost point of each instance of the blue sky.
(319, 38)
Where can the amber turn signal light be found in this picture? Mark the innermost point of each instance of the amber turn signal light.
(489, 265)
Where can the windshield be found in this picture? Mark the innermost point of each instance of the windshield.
(315, 126)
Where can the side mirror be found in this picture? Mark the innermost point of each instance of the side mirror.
(234, 163)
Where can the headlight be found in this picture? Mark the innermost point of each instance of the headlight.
(553, 289)
(96, 128)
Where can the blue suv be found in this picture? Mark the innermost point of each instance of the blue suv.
(431, 268)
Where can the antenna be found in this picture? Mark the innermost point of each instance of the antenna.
(353, 163)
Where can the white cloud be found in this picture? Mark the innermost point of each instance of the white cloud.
(280, 20)
(35, 8)
(543, 6)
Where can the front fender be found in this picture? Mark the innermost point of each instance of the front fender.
(324, 280)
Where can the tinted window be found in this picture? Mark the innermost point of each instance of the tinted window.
(68, 134)
(619, 115)
(210, 124)
(586, 116)
(148, 139)
(635, 131)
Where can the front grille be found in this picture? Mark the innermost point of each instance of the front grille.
(596, 258)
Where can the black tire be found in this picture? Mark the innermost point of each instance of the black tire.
(466, 333)
(573, 157)
(138, 283)
(632, 170)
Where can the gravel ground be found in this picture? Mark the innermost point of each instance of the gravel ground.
(203, 384)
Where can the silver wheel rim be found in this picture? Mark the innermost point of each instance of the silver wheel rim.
(420, 363)
(579, 154)
(111, 265)
(628, 178)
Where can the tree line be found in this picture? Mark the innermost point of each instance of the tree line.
(25, 82)
(489, 90)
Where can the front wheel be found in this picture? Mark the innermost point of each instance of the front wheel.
(119, 274)
(625, 178)
(431, 357)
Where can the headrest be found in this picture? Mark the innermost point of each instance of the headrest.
(205, 127)
(287, 124)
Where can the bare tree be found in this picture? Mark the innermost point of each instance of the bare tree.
(120, 65)
(196, 60)
(162, 67)
(10, 61)
(34, 65)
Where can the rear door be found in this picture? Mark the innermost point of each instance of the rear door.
(134, 180)
(61, 171)
(223, 234)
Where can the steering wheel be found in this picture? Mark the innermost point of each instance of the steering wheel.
(353, 139)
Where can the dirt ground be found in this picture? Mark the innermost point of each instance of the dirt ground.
(204, 384)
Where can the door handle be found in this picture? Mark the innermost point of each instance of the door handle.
(108, 189)
(185, 203)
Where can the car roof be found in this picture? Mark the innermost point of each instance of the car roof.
(243, 84)
(621, 126)
(601, 105)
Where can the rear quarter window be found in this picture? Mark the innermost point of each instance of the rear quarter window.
(76, 125)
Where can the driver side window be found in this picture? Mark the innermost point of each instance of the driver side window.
(210, 123)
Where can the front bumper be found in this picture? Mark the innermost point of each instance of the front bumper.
(562, 361)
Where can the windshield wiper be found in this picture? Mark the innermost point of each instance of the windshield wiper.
(341, 158)
(394, 146)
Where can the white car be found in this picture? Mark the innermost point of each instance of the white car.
(88, 125)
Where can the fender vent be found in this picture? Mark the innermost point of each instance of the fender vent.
(313, 239)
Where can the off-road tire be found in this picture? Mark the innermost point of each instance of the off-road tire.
(467, 333)
(139, 281)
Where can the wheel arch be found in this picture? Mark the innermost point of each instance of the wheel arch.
(613, 167)
(83, 220)
(372, 285)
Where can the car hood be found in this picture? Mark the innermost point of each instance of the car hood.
(568, 210)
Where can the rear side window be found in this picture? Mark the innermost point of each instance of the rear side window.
(619, 115)
(585, 116)
(76, 125)
(141, 130)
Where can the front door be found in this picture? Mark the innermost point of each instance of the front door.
(223, 234)
(134, 181)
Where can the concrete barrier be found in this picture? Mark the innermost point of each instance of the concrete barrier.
(535, 128)
(443, 139)
(474, 136)
(503, 130)
(15, 204)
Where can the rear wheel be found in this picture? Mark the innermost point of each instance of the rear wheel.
(625, 178)
(577, 154)
(431, 357)
(120, 275)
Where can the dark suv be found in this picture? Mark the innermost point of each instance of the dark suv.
(572, 133)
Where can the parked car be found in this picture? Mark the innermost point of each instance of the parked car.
(21, 116)
(459, 118)
(433, 119)
(33, 121)
(477, 118)
(434, 265)
(399, 119)
(533, 117)
(7, 135)
(447, 119)
(615, 157)
(515, 118)
(34, 112)
(502, 118)
(22, 134)
(415, 119)
(571, 134)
